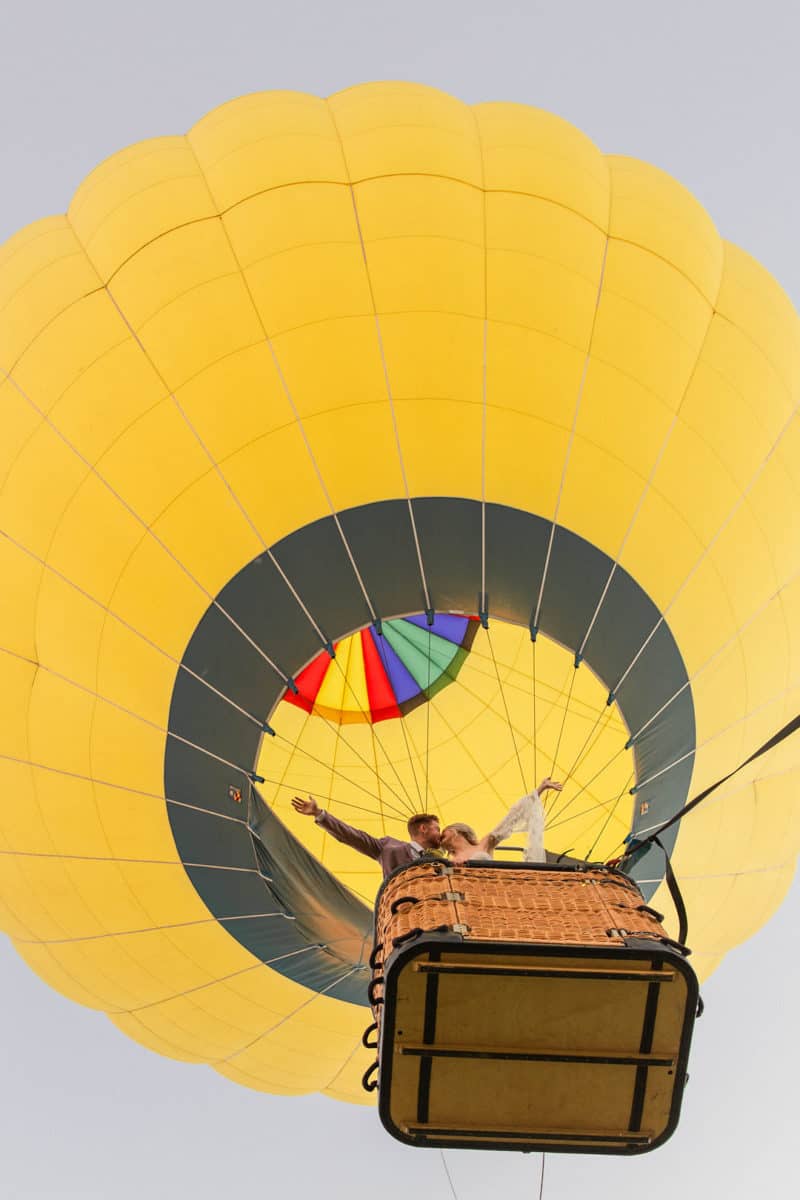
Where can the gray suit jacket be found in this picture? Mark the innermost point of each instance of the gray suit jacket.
(388, 851)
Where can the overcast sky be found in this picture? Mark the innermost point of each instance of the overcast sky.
(706, 89)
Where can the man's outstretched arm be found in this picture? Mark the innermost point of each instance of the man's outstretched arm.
(357, 839)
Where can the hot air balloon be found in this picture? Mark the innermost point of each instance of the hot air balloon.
(323, 379)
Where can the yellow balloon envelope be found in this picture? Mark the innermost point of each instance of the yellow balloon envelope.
(293, 394)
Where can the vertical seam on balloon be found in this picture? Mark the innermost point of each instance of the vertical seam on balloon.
(301, 427)
(559, 807)
(384, 363)
(576, 412)
(484, 604)
(707, 549)
(657, 463)
(298, 422)
(506, 710)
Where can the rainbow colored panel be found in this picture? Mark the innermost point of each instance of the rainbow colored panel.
(379, 676)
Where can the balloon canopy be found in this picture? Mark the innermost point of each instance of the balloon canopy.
(399, 451)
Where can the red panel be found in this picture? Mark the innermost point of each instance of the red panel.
(309, 681)
(382, 700)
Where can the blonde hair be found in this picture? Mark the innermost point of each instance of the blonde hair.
(466, 831)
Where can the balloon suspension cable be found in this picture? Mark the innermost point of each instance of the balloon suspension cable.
(453, 1191)
(406, 736)
(533, 715)
(375, 736)
(321, 762)
(564, 717)
(506, 709)
(609, 815)
(560, 805)
(428, 720)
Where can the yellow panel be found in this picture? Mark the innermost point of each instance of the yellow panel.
(332, 364)
(773, 492)
(31, 249)
(85, 414)
(20, 420)
(356, 452)
(68, 630)
(427, 274)
(21, 819)
(136, 196)
(40, 484)
(703, 593)
(618, 414)
(291, 472)
(22, 577)
(199, 327)
(752, 300)
(440, 441)
(157, 598)
(401, 128)
(63, 741)
(592, 473)
(51, 289)
(126, 750)
(309, 284)
(418, 206)
(266, 141)
(654, 211)
(434, 354)
(739, 364)
(528, 372)
(136, 826)
(93, 517)
(69, 346)
(275, 222)
(235, 400)
(535, 152)
(206, 529)
(524, 457)
(537, 294)
(177, 263)
(156, 458)
(44, 963)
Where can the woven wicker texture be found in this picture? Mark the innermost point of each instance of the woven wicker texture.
(506, 905)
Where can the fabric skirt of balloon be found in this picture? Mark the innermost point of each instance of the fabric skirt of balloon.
(526, 816)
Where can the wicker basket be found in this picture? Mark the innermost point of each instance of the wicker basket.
(529, 1007)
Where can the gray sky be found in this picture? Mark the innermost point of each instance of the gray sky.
(706, 90)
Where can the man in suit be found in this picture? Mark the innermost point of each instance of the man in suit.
(423, 831)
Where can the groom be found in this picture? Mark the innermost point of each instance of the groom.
(423, 831)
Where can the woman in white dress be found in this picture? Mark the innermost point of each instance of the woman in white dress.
(526, 816)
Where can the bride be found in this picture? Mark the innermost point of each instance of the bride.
(526, 816)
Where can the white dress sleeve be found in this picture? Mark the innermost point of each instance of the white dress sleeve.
(526, 816)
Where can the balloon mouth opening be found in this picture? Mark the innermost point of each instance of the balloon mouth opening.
(502, 711)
